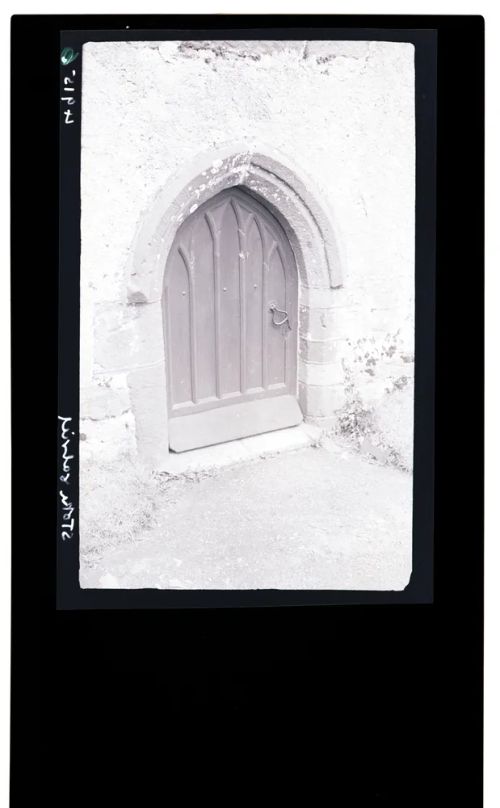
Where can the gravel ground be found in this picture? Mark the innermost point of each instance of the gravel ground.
(316, 518)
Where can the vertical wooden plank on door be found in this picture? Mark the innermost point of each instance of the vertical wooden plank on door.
(240, 224)
(276, 334)
(285, 330)
(254, 305)
(204, 308)
(178, 315)
(192, 322)
(214, 232)
(291, 342)
(265, 302)
(230, 309)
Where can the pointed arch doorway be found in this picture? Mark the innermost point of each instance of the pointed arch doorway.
(230, 304)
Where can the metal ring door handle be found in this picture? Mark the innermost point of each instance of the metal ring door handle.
(275, 310)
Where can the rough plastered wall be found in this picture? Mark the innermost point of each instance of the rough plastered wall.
(343, 112)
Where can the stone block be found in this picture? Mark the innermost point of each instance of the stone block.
(320, 401)
(316, 374)
(319, 351)
(103, 402)
(317, 324)
(228, 454)
(281, 440)
(128, 336)
(148, 394)
(320, 298)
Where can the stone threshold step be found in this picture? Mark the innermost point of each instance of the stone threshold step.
(242, 450)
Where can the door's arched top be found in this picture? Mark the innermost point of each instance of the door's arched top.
(290, 199)
(247, 213)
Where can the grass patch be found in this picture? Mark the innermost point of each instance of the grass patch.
(383, 434)
(117, 504)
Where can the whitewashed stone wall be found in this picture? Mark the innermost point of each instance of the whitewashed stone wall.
(341, 116)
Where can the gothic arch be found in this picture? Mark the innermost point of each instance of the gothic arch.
(307, 223)
(310, 232)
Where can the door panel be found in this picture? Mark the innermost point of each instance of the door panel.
(253, 293)
(230, 315)
(276, 335)
(229, 264)
(203, 277)
(179, 332)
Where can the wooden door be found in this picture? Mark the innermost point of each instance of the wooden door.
(231, 312)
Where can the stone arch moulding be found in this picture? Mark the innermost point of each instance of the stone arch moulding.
(311, 235)
(292, 200)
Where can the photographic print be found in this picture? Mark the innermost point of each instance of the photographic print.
(252, 240)
(247, 314)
